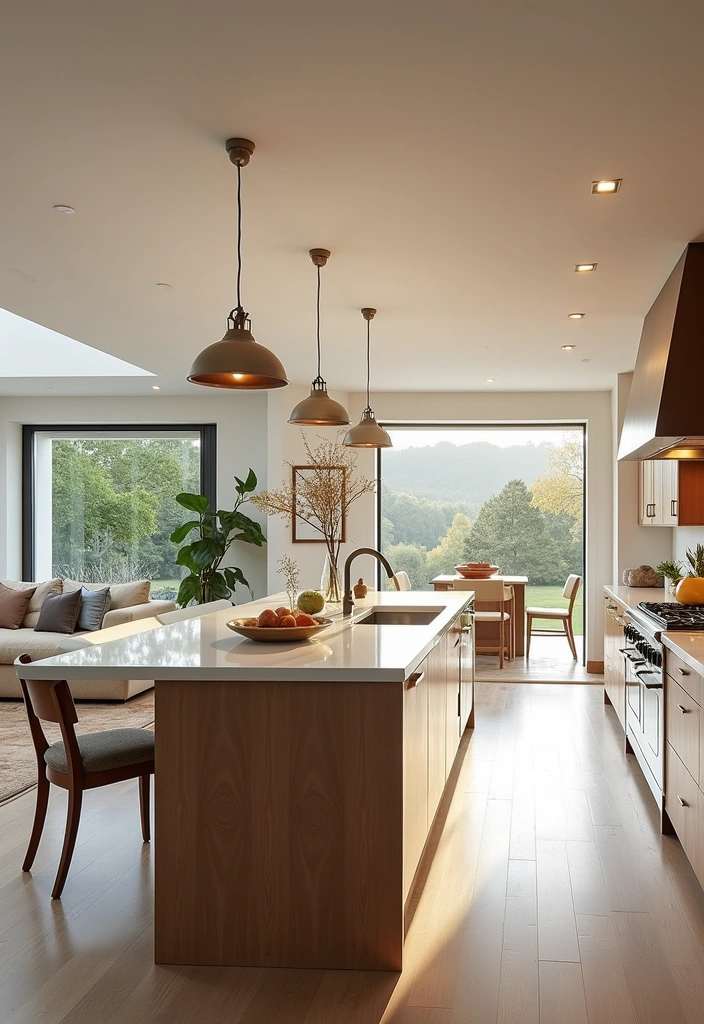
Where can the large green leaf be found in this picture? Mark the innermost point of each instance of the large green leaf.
(193, 502)
(204, 552)
(218, 587)
(182, 531)
(235, 576)
(190, 590)
(184, 557)
(246, 486)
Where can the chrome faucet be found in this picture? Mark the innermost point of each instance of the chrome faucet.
(348, 600)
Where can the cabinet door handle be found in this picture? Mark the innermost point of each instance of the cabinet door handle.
(415, 680)
(683, 802)
(673, 508)
(683, 709)
(683, 671)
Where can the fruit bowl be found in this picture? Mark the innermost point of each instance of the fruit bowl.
(476, 571)
(278, 634)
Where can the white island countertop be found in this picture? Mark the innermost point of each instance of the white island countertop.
(629, 597)
(204, 647)
(688, 646)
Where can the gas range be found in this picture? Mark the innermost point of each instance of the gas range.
(672, 615)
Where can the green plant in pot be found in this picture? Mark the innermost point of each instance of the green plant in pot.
(216, 531)
(690, 589)
(672, 571)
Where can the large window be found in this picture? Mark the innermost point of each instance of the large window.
(99, 502)
(506, 495)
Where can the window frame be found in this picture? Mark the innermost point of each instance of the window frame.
(208, 465)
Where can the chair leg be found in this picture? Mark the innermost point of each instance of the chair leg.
(39, 819)
(75, 800)
(570, 637)
(529, 626)
(144, 786)
(501, 644)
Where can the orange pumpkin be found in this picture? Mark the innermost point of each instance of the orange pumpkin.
(690, 590)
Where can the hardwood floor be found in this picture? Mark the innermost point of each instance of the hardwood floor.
(550, 661)
(550, 898)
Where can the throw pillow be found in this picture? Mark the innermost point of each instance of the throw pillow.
(59, 613)
(122, 595)
(39, 592)
(13, 606)
(94, 604)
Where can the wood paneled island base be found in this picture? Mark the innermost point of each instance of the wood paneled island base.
(279, 824)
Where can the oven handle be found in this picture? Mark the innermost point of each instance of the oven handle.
(626, 652)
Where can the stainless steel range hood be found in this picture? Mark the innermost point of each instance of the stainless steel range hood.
(665, 413)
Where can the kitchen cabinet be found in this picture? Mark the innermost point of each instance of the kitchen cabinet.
(467, 674)
(671, 492)
(415, 772)
(614, 671)
(436, 675)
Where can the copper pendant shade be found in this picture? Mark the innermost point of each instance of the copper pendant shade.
(319, 410)
(367, 433)
(237, 362)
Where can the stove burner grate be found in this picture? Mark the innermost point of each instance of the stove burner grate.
(674, 616)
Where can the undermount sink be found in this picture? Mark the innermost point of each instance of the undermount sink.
(399, 617)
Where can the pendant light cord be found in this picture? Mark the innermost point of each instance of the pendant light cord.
(319, 378)
(239, 235)
(368, 362)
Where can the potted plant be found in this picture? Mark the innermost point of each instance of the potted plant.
(690, 589)
(216, 531)
(672, 571)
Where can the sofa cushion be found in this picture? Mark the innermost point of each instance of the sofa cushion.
(94, 605)
(122, 595)
(101, 751)
(59, 613)
(31, 617)
(13, 605)
(14, 642)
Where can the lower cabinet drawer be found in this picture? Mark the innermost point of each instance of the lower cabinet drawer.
(680, 671)
(682, 726)
(682, 803)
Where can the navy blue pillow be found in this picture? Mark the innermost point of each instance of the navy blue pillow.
(94, 605)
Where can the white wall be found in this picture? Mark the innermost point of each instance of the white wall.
(242, 442)
(590, 407)
(634, 545)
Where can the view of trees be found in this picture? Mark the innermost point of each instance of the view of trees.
(113, 505)
(531, 530)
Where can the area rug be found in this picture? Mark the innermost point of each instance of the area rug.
(18, 763)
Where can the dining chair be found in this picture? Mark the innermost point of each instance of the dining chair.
(564, 615)
(402, 580)
(497, 596)
(77, 763)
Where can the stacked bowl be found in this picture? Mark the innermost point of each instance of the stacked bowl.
(476, 570)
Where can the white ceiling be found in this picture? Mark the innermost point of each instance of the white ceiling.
(444, 152)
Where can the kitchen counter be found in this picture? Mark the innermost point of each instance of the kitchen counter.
(629, 597)
(687, 646)
(295, 783)
(204, 648)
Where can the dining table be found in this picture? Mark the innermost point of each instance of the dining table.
(453, 581)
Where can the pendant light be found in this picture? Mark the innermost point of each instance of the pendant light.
(367, 433)
(237, 362)
(319, 410)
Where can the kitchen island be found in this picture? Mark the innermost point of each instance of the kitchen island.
(296, 783)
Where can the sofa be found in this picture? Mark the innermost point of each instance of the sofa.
(129, 603)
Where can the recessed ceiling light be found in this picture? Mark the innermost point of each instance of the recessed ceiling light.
(490, 380)
(576, 316)
(64, 209)
(606, 187)
(584, 268)
(568, 348)
(156, 387)
(163, 285)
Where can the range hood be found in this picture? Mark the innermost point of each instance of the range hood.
(665, 413)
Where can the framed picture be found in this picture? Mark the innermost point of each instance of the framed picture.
(303, 532)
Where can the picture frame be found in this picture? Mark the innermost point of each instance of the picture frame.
(301, 531)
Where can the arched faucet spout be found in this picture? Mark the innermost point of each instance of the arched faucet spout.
(348, 600)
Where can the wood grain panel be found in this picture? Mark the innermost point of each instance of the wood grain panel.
(415, 777)
(562, 998)
(685, 676)
(682, 802)
(682, 729)
(279, 824)
(557, 930)
(436, 683)
(690, 505)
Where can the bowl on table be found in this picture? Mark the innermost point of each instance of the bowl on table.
(477, 570)
(278, 634)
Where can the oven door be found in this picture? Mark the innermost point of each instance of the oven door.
(651, 710)
(632, 663)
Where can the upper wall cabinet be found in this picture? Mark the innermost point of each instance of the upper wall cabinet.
(671, 493)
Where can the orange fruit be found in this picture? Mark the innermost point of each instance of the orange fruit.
(283, 611)
(287, 621)
(305, 620)
(267, 618)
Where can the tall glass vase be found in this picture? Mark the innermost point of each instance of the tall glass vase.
(330, 581)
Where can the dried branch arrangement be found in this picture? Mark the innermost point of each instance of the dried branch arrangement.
(323, 496)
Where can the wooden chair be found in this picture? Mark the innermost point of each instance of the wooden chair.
(401, 580)
(77, 763)
(499, 598)
(564, 615)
